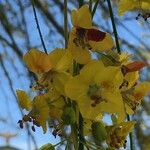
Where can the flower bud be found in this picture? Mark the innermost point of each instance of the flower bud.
(47, 147)
(68, 116)
(99, 131)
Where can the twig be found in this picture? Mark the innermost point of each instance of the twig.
(114, 26)
(95, 7)
(38, 26)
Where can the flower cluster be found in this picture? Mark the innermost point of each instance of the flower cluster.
(70, 83)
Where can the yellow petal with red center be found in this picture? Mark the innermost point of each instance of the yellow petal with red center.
(141, 90)
(41, 109)
(24, 100)
(59, 81)
(79, 54)
(81, 17)
(37, 61)
(106, 44)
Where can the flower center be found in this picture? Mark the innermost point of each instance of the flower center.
(84, 35)
(94, 92)
(81, 38)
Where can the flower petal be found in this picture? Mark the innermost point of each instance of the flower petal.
(37, 61)
(106, 44)
(75, 88)
(81, 17)
(24, 100)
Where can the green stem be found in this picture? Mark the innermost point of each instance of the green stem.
(130, 136)
(95, 7)
(90, 5)
(81, 134)
(114, 26)
(59, 143)
(76, 69)
(74, 135)
(65, 23)
(80, 3)
(38, 26)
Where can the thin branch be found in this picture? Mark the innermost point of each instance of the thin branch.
(38, 26)
(49, 17)
(24, 23)
(114, 26)
(95, 7)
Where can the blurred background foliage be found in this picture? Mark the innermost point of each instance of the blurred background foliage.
(18, 33)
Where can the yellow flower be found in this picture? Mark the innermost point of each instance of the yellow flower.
(133, 96)
(128, 5)
(85, 37)
(97, 88)
(118, 133)
(129, 69)
(57, 75)
(37, 61)
(141, 90)
(41, 107)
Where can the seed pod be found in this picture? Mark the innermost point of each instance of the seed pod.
(98, 131)
(47, 147)
(68, 116)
